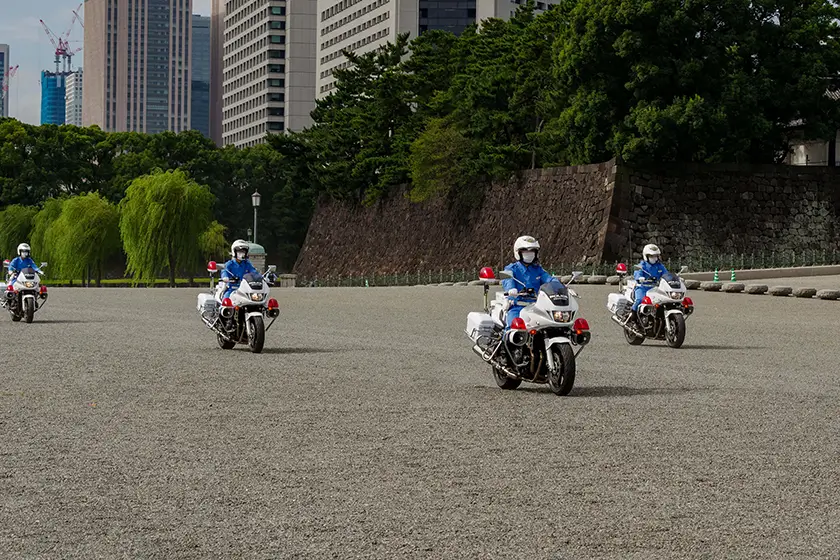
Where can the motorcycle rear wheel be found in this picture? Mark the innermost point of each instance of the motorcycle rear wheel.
(562, 379)
(632, 339)
(224, 344)
(504, 382)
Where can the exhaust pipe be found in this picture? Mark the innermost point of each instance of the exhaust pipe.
(477, 349)
(625, 326)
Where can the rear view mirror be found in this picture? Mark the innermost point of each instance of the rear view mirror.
(271, 268)
(683, 269)
(43, 264)
(506, 274)
(637, 266)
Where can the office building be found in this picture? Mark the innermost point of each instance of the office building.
(73, 99)
(269, 68)
(200, 65)
(217, 46)
(137, 65)
(360, 26)
(4, 73)
(52, 97)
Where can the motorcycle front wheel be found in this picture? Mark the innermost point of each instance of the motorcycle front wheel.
(29, 310)
(562, 379)
(256, 338)
(675, 336)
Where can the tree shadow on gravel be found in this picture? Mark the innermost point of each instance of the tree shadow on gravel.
(295, 350)
(64, 321)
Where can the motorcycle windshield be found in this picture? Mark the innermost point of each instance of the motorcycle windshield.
(28, 273)
(672, 280)
(556, 292)
(253, 280)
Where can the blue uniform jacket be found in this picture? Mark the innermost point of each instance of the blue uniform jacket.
(19, 264)
(654, 273)
(238, 270)
(532, 275)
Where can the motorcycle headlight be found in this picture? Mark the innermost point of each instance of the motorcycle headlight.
(676, 295)
(257, 297)
(562, 316)
(29, 284)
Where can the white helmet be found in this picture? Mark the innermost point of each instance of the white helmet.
(525, 243)
(24, 248)
(649, 251)
(239, 245)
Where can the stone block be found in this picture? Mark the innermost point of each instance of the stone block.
(733, 287)
(757, 289)
(828, 294)
(805, 292)
(613, 280)
(781, 290)
(475, 282)
(711, 286)
(597, 279)
(460, 284)
(692, 284)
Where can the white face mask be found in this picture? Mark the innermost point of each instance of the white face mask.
(528, 256)
(653, 260)
(240, 255)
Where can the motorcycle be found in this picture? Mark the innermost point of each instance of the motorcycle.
(239, 318)
(662, 312)
(25, 295)
(540, 345)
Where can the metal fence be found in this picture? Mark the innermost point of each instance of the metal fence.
(701, 262)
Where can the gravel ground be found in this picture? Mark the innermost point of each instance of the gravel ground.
(369, 429)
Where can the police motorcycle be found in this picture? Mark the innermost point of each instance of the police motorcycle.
(543, 342)
(239, 318)
(25, 295)
(662, 312)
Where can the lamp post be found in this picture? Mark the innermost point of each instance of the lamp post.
(255, 200)
(250, 232)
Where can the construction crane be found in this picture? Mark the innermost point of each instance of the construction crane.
(7, 78)
(61, 43)
(78, 17)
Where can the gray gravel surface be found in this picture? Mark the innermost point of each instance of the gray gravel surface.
(369, 429)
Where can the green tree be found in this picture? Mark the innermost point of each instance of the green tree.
(41, 225)
(84, 236)
(15, 227)
(161, 219)
(212, 242)
(440, 161)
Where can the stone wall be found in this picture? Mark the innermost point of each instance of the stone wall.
(566, 208)
(701, 209)
(585, 214)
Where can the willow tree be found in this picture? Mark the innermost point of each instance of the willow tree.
(15, 227)
(83, 236)
(41, 225)
(161, 219)
(212, 242)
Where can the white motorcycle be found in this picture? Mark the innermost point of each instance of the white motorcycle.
(662, 312)
(239, 318)
(540, 345)
(25, 295)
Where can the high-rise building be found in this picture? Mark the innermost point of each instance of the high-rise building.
(4, 70)
(52, 97)
(217, 46)
(360, 26)
(269, 68)
(200, 65)
(137, 65)
(73, 98)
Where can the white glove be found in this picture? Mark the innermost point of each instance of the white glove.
(513, 292)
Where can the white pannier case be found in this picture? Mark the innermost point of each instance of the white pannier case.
(478, 324)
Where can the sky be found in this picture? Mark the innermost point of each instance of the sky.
(21, 29)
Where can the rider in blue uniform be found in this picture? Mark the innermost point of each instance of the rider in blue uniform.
(526, 270)
(23, 260)
(650, 274)
(237, 267)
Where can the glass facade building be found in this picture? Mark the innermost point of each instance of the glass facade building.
(200, 95)
(53, 87)
(446, 15)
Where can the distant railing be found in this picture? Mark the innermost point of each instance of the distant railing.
(701, 262)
